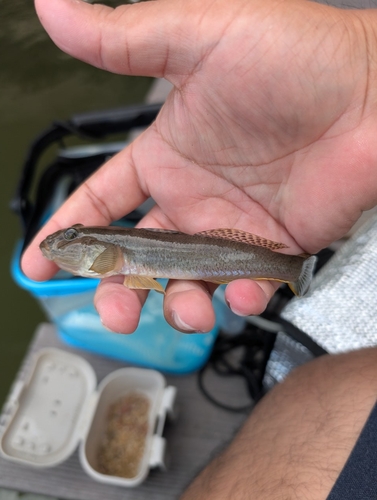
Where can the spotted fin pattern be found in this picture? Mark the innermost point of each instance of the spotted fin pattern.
(242, 237)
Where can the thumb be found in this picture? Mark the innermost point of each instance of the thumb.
(145, 39)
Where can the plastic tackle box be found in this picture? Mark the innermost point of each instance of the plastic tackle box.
(59, 408)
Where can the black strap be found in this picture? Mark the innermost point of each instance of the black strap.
(301, 337)
(296, 334)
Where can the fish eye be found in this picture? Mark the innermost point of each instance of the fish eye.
(70, 234)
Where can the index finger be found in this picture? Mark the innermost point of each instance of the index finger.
(111, 192)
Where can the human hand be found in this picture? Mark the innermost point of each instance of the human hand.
(270, 128)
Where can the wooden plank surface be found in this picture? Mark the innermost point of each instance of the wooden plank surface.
(200, 430)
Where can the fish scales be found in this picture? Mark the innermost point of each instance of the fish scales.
(177, 256)
(149, 254)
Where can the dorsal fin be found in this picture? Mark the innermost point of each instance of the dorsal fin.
(242, 237)
(106, 261)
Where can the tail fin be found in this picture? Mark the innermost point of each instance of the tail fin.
(301, 286)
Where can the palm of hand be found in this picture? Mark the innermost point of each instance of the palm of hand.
(270, 129)
(272, 149)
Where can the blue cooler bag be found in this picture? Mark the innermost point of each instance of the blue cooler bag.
(68, 300)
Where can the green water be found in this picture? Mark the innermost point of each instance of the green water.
(38, 84)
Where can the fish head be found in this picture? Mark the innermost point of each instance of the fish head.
(73, 250)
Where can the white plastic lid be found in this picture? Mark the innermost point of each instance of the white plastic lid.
(46, 415)
(59, 406)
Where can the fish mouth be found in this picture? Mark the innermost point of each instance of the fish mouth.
(46, 249)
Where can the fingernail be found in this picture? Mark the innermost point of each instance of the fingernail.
(181, 324)
(106, 327)
(234, 310)
(102, 323)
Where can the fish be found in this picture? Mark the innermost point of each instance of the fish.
(143, 255)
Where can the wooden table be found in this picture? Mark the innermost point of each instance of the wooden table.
(199, 432)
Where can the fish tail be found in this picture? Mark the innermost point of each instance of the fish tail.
(301, 286)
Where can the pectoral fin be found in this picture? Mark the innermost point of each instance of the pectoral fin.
(142, 282)
(107, 261)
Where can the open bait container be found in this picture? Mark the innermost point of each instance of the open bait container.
(68, 300)
(59, 408)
